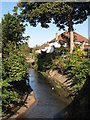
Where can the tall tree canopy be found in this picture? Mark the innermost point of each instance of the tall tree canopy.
(64, 14)
(12, 31)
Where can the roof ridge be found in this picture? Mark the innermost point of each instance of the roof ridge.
(80, 35)
(80, 38)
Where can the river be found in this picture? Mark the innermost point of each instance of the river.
(48, 103)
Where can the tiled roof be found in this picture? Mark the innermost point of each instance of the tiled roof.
(43, 46)
(63, 37)
(53, 40)
(80, 38)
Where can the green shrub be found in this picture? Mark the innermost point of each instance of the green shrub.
(60, 63)
(78, 68)
(63, 50)
(45, 61)
(75, 65)
(14, 69)
(88, 54)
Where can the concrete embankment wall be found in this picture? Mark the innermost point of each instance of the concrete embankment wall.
(59, 84)
(20, 110)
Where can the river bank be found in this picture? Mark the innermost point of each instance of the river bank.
(61, 85)
(44, 92)
(28, 103)
(77, 104)
(48, 103)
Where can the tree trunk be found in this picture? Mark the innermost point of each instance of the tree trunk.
(71, 41)
(70, 30)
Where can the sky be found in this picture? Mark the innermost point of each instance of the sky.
(39, 35)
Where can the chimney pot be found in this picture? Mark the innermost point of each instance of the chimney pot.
(56, 36)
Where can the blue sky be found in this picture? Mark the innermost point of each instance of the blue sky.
(39, 35)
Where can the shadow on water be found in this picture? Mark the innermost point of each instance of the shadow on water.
(80, 106)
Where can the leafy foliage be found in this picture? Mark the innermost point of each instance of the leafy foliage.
(0, 70)
(75, 65)
(60, 62)
(45, 61)
(63, 14)
(44, 12)
(78, 68)
(88, 54)
(26, 50)
(12, 31)
(14, 67)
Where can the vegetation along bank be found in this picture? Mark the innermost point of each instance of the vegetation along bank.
(71, 72)
(15, 89)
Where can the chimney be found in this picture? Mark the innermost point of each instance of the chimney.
(56, 36)
(48, 43)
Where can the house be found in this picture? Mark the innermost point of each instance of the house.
(38, 51)
(78, 39)
(63, 39)
(55, 42)
(49, 46)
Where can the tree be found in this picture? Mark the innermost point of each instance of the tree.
(0, 37)
(36, 46)
(14, 66)
(12, 31)
(64, 14)
(25, 49)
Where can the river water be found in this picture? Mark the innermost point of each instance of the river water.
(48, 103)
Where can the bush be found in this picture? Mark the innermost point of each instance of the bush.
(45, 61)
(78, 68)
(75, 65)
(60, 63)
(14, 69)
(88, 54)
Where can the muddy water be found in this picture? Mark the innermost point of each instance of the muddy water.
(48, 103)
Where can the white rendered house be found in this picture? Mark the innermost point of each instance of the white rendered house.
(62, 38)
